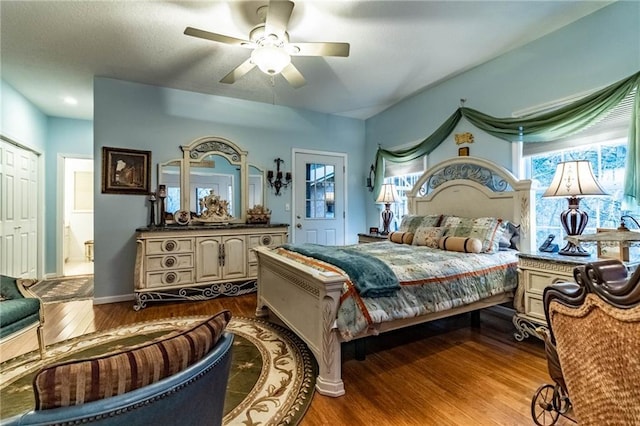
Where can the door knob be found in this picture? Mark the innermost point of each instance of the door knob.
(299, 225)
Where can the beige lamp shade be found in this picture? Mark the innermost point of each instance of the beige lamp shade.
(574, 179)
(388, 194)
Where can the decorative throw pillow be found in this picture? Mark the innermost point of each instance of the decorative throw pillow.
(80, 381)
(401, 237)
(412, 222)
(427, 236)
(462, 244)
(510, 238)
(487, 229)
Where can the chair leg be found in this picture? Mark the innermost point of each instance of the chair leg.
(41, 344)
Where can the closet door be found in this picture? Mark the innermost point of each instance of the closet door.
(18, 211)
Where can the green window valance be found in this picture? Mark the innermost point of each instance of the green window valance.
(545, 127)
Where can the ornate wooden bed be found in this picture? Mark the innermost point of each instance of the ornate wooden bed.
(307, 300)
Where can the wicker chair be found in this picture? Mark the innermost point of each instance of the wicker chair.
(595, 327)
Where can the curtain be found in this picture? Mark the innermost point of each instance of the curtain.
(545, 127)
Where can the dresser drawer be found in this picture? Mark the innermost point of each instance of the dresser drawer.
(534, 307)
(537, 281)
(264, 240)
(253, 270)
(169, 278)
(170, 245)
(177, 261)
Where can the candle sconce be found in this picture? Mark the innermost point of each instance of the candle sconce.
(152, 216)
(371, 178)
(162, 194)
(276, 181)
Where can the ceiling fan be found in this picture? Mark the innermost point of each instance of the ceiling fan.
(272, 50)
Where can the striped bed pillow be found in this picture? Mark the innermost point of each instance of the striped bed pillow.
(80, 381)
(487, 229)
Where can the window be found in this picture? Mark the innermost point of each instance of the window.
(605, 145)
(404, 184)
(320, 191)
(608, 163)
(403, 176)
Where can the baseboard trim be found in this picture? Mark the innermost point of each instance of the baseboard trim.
(113, 299)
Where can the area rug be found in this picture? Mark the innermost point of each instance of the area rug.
(64, 289)
(271, 382)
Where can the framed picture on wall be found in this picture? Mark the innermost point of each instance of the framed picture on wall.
(463, 152)
(126, 171)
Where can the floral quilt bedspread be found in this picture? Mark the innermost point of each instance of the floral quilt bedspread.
(431, 281)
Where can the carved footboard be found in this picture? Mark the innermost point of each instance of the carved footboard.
(306, 300)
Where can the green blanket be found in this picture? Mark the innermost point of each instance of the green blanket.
(370, 275)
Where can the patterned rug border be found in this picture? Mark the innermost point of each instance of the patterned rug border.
(290, 391)
(33, 288)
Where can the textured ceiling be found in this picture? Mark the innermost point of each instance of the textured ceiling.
(53, 49)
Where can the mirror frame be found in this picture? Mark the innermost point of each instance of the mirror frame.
(177, 162)
(208, 145)
(263, 174)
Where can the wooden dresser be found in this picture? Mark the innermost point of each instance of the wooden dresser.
(200, 262)
(536, 271)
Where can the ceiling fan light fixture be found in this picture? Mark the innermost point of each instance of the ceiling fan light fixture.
(270, 59)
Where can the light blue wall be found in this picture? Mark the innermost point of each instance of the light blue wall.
(65, 138)
(595, 51)
(131, 115)
(21, 121)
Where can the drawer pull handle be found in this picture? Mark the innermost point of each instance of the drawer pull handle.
(170, 262)
(266, 240)
(170, 245)
(170, 278)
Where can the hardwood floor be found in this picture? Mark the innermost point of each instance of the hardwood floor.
(441, 373)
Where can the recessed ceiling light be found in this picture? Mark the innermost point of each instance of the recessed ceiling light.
(70, 101)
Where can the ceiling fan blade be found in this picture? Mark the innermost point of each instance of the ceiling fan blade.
(194, 32)
(277, 18)
(293, 76)
(238, 72)
(320, 49)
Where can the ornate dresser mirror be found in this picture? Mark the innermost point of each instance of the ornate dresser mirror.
(188, 181)
(214, 182)
(169, 175)
(256, 186)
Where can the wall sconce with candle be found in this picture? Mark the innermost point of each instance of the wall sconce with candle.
(371, 178)
(276, 181)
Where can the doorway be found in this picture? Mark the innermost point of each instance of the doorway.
(319, 198)
(76, 246)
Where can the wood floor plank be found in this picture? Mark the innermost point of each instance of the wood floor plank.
(442, 373)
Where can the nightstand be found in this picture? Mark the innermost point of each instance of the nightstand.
(370, 238)
(536, 271)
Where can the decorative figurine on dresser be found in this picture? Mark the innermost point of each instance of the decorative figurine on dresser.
(207, 250)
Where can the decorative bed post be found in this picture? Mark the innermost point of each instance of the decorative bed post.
(288, 292)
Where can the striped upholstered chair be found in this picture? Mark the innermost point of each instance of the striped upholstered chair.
(595, 325)
(180, 379)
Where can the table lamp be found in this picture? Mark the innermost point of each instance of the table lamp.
(388, 195)
(574, 180)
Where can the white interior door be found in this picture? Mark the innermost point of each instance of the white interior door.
(319, 198)
(18, 211)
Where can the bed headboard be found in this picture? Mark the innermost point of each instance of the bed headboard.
(474, 187)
